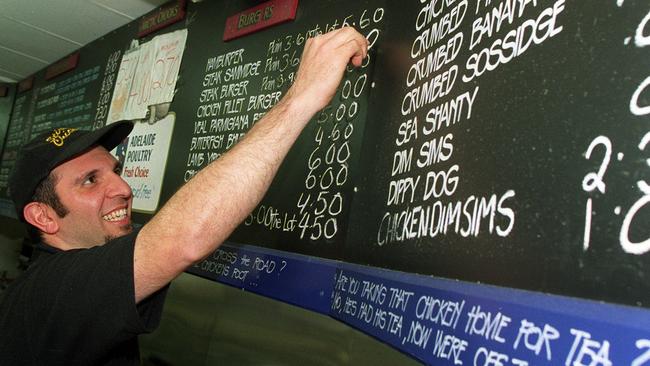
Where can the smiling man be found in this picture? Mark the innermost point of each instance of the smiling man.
(90, 190)
(97, 283)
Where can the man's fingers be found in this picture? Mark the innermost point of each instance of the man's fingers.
(343, 33)
(357, 48)
(348, 34)
(329, 35)
(339, 38)
(357, 61)
(323, 63)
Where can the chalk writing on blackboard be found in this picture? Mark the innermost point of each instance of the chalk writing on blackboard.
(446, 328)
(235, 266)
(108, 82)
(322, 201)
(441, 92)
(65, 102)
(237, 90)
(601, 149)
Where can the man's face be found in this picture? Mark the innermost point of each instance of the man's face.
(97, 198)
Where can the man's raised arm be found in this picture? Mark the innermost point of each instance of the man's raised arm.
(205, 211)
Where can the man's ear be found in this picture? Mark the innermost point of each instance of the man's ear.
(41, 216)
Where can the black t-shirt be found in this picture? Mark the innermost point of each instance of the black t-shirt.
(77, 307)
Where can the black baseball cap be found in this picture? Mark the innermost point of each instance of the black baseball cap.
(37, 158)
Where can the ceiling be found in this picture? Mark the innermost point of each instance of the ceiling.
(36, 33)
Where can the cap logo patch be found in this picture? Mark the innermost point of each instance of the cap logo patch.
(59, 135)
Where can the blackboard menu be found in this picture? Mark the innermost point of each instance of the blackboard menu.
(494, 142)
(499, 142)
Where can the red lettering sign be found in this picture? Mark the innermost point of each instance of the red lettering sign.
(63, 66)
(265, 15)
(25, 85)
(161, 18)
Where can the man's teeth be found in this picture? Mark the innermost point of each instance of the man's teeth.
(116, 215)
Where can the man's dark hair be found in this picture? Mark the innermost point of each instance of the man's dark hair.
(45, 193)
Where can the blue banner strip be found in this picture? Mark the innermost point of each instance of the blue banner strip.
(440, 321)
(296, 279)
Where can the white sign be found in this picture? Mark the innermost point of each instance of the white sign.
(144, 155)
(147, 76)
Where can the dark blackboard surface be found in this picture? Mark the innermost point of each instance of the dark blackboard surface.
(524, 153)
(6, 104)
(17, 134)
(531, 124)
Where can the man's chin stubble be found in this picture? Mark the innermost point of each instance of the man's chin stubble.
(126, 229)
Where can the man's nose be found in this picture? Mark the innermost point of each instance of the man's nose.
(118, 187)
